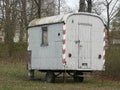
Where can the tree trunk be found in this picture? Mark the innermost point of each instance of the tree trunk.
(38, 3)
(89, 9)
(39, 9)
(24, 21)
(59, 7)
(21, 33)
(108, 21)
(10, 25)
(82, 6)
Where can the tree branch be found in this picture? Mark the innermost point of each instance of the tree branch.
(113, 7)
(36, 2)
(110, 1)
(113, 14)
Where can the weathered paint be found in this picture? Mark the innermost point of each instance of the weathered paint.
(57, 19)
(74, 40)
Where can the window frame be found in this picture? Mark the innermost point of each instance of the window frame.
(44, 34)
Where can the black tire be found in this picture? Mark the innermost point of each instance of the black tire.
(31, 74)
(78, 77)
(50, 77)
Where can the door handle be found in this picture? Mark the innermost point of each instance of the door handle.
(77, 41)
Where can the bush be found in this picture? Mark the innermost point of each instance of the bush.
(19, 50)
(3, 50)
(113, 62)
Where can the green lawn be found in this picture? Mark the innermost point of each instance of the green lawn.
(13, 76)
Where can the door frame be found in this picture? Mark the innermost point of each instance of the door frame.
(89, 62)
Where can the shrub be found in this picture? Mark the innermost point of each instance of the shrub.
(113, 62)
(19, 50)
(3, 50)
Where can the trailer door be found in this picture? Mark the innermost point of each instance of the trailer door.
(84, 45)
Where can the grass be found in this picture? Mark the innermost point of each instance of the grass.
(13, 73)
(13, 76)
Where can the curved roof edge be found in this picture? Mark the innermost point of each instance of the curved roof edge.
(57, 19)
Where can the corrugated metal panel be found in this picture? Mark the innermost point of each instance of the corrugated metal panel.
(57, 19)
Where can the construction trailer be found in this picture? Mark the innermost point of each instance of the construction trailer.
(73, 43)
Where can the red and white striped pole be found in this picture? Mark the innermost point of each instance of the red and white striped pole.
(104, 42)
(64, 45)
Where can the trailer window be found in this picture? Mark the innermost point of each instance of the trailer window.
(44, 36)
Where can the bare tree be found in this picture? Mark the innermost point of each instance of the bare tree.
(16, 14)
(85, 8)
(82, 6)
(116, 22)
(10, 23)
(48, 8)
(39, 5)
(89, 8)
(62, 7)
(2, 15)
(110, 7)
(110, 12)
(45, 7)
(23, 22)
(97, 7)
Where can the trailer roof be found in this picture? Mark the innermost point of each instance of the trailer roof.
(57, 19)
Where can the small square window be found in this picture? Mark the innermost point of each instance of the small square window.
(44, 36)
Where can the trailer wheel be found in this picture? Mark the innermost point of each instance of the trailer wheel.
(50, 77)
(31, 74)
(78, 77)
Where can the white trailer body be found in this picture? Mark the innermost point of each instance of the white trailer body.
(67, 42)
